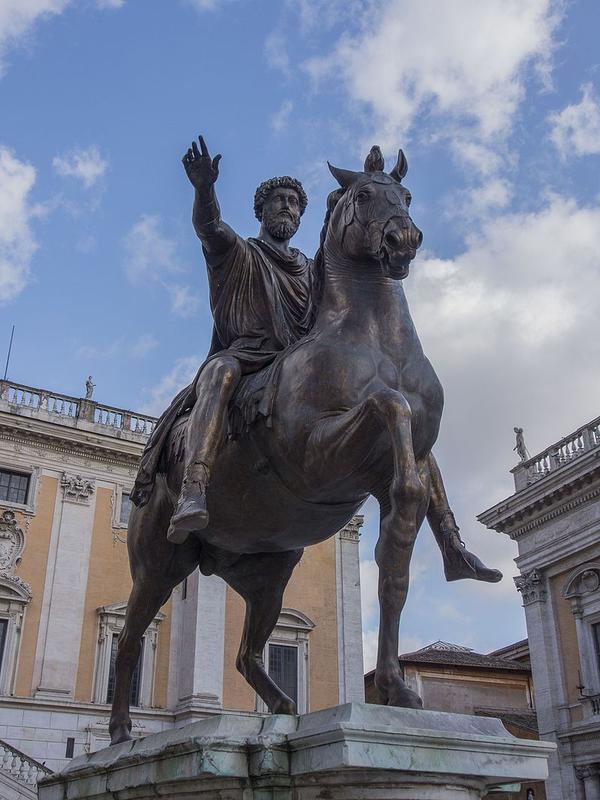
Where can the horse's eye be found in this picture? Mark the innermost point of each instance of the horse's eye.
(362, 197)
(408, 200)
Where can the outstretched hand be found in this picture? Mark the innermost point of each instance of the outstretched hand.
(201, 169)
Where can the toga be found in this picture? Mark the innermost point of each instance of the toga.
(262, 302)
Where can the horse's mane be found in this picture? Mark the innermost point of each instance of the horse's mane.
(319, 259)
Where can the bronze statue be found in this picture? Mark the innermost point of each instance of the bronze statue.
(350, 407)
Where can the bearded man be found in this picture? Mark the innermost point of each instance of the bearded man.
(263, 296)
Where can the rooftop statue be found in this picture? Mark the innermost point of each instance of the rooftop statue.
(315, 394)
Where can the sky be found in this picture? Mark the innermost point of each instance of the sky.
(497, 107)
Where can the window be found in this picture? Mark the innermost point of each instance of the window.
(596, 638)
(283, 668)
(3, 637)
(134, 695)
(14, 487)
(111, 619)
(125, 510)
(286, 656)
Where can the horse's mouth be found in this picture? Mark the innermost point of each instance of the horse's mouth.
(396, 264)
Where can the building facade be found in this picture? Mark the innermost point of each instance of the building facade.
(554, 516)
(67, 466)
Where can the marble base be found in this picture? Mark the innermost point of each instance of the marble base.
(356, 752)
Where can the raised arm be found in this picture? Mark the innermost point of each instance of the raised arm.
(203, 171)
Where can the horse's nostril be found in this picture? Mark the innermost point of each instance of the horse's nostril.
(392, 239)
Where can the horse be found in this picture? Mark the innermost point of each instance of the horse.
(356, 412)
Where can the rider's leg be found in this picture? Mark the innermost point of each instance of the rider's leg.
(458, 561)
(205, 434)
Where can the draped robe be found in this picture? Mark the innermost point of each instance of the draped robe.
(262, 301)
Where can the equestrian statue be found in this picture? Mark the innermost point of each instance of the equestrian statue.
(315, 394)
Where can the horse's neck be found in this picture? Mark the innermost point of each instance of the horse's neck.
(356, 297)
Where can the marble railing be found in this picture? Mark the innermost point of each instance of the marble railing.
(18, 396)
(557, 455)
(21, 767)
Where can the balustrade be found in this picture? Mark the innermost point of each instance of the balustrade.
(40, 400)
(23, 768)
(557, 455)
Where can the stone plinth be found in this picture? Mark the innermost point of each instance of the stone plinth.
(355, 752)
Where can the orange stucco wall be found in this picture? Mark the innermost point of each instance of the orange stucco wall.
(567, 634)
(33, 570)
(109, 581)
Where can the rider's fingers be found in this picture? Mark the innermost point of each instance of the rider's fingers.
(195, 149)
(203, 147)
(215, 162)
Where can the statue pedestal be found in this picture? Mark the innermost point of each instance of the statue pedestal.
(355, 752)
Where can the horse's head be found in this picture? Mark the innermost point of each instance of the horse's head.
(370, 220)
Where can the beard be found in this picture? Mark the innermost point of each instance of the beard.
(281, 226)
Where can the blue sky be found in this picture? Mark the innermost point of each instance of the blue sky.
(497, 106)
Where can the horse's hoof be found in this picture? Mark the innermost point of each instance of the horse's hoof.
(463, 564)
(403, 697)
(284, 706)
(120, 734)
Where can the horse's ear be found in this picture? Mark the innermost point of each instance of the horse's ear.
(401, 167)
(345, 177)
(374, 161)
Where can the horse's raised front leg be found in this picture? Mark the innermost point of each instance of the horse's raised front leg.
(459, 563)
(344, 445)
(261, 579)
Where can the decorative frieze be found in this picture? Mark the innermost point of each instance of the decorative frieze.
(12, 542)
(532, 586)
(77, 489)
(587, 771)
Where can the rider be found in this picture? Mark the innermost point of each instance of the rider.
(263, 298)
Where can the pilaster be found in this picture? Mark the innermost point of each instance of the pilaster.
(59, 638)
(199, 641)
(349, 617)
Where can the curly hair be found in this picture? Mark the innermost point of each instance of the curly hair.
(263, 190)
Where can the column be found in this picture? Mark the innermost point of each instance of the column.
(590, 775)
(57, 652)
(349, 617)
(200, 630)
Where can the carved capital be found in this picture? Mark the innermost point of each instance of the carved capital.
(77, 489)
(587, 771)
(532, 586)
(351, 530)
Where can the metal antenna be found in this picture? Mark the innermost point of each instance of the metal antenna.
(12, 333)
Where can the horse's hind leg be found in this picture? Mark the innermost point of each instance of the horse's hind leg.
(261, 579)
(156, 567)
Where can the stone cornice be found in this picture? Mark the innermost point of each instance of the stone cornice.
(546, 500)
(71, 442)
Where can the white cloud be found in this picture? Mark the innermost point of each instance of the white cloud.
(463, 62)
(17, 242)
(152, 258)
(182, 373)
(110, 3)
(87, 165)
(120, 348)
(576, 129)
(184, 302)
(276, 52)
(207, 5)
(281, 118)
(17, 18)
